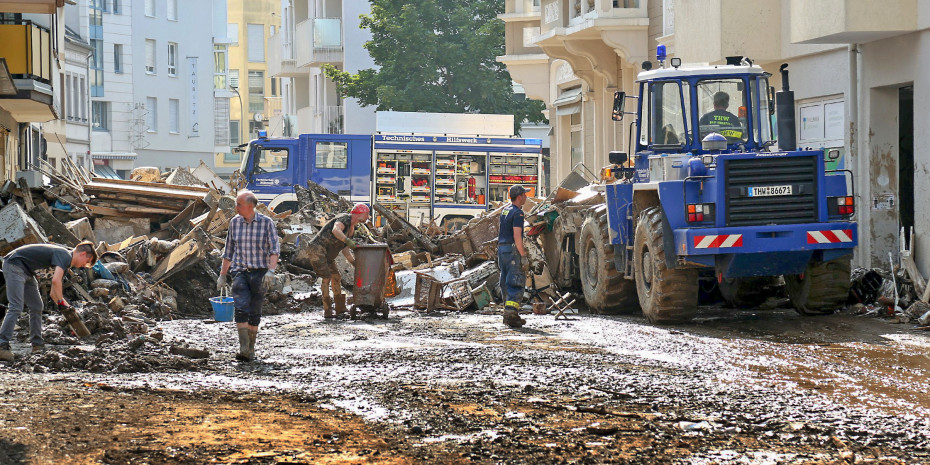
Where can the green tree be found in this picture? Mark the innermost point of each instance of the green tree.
(436, 56)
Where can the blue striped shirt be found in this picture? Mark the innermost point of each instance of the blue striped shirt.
(250, 243)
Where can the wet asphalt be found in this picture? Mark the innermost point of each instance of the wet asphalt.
(858, 378)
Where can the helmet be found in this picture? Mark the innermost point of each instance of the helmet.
(360, 208)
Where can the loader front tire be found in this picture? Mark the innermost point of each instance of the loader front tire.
(822, 289)
(605, 289)
(666, 295)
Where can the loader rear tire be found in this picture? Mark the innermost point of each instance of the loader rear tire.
(822, 289)
(605, 289)
(666, 295)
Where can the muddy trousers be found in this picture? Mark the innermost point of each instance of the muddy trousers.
(248, 294)
(22, 290)
(512, 278)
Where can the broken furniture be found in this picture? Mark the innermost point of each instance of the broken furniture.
(562, 305)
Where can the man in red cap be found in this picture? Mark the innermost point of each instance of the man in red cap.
(335, 237)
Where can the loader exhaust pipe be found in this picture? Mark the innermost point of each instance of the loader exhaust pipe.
(784, 109)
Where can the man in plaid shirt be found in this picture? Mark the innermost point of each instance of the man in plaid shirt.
(251, 254)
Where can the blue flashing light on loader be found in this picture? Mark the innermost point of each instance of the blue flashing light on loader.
(707, 191)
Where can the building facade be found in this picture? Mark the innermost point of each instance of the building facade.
(574, 54)
(151, 76)
(314, 33)
(255, 96)
(31, 77)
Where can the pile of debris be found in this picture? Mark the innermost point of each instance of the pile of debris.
(902, 294)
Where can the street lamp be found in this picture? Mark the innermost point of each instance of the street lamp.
(241, 111)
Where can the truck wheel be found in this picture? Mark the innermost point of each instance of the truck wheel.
(666, 295)
(745, 292)
(822, 289)
(605, 289)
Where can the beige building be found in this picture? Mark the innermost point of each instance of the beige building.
(256, 94)
(31, 76)
(858, 69)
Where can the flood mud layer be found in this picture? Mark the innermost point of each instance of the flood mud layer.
(731, 387)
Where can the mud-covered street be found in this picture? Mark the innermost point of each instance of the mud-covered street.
(763, 386)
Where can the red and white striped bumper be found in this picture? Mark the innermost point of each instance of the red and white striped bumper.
(830, 236)
(718, 241)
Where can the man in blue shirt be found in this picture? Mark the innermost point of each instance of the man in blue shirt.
(251, 254)
(511, 256)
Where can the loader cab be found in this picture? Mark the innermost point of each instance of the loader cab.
(678, 107)
(269, 166)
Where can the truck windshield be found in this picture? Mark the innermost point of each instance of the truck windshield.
(717, 99)
(761, 89)
(245, 160)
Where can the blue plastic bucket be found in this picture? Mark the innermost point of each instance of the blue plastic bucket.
(222, 308)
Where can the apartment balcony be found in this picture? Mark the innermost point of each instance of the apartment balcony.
(520, 10)
(27, 56)
(590, 34)
(272, 107)
(282, 61)
(850, 21)
(319, 42)
(31, 6)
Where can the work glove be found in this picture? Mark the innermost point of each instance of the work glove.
(525, 264)
(350, 244)
(221, 282)
(268, 280)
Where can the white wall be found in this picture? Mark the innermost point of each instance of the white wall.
(358, 119)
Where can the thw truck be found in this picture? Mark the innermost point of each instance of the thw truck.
(421, 176)
(706, 193)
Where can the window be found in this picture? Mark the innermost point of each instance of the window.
(256, 43)
(254, 127)
(117, 58)
(232, 157)
(333, 155)
(172, 10)
(151, 114)
(149, 56)
(274, 87)
(256, 91)
(577, 155)
(232, 32)
(272, 160)
(95, 35)
(150, 8)
(234, 133)
(234, 78)
(717, 98)
(101, 116)
(117, 8)
(174, 116)
(219, 66)
(172, 59)
(83, 87)
(667, 124)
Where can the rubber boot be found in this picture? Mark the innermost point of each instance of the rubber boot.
(340, 304)
(512, 318)
(253, 334)
(328, 307)
(244, 353)
(6, 354)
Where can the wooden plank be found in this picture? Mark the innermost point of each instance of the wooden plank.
(177, 256)
(169, 187)
(417, 235)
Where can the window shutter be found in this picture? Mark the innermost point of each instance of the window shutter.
(234, 78)
(256, 42)
(173, 9)
(174, 115)
(151, 108)
(149, 56)
(149, 7)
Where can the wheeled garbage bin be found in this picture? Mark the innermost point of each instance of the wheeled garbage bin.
(371, 266)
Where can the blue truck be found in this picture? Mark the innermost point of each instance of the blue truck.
(712, 197)
(422, 177)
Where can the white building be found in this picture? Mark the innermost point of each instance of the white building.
(78, 53)
(152, 80)
(859, 70)
(314, 33)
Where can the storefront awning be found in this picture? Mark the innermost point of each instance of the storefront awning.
(113, 156)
